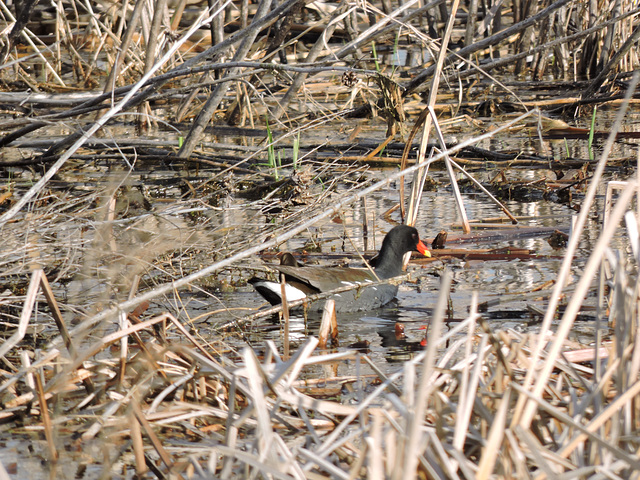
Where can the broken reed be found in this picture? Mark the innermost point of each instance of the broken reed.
(565, 39)
(462, 424)
(497, 39)
(447, 413)
(476, 403)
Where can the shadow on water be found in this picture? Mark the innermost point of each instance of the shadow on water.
(390, 334)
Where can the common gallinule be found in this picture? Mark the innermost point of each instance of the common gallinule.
(308, 280)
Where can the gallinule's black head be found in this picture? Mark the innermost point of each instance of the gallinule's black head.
(303, 281)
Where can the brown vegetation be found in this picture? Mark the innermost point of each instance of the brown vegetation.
(103, 377)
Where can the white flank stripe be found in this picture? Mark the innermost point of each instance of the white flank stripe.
(292, 293)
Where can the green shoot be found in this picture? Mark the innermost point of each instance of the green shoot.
(375, 56)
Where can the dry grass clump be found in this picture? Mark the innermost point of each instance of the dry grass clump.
(236, 64)
(475, 403)
(172, 405)
(118, 384)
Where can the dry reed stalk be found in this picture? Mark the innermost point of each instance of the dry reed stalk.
(46, 420)
(275, 240)
(153, 438)
(311, 57)
(412, 210)
(416, 83)
(207, 111)
(418, 410)
(94, 128)
(454, 426)
(153, 38)
(571, 248)
(27, 310)
(468, 385)
(29, 38)
(259, 404)
(555, 43)
(612, 63)
(138, 445)
(269, 386)
(452, 176)
(285, 315)
(101, 345)
(484, 190)
(328, 324)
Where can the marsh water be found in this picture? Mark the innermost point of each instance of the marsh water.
(183, 231)
(505, 284)
(512, 292)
